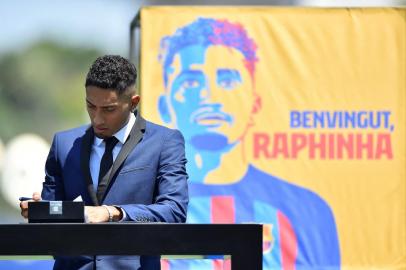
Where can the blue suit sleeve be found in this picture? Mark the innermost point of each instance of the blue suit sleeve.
(171, 192)
(53, 185)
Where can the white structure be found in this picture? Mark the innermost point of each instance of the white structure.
(1, 155)
(23, 167)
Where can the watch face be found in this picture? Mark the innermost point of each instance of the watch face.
(110, 213)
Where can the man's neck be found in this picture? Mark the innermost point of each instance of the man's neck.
(233, 166)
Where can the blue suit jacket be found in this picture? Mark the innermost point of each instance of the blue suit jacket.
(148, 181)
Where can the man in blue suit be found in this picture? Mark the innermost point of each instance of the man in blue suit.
(124, 167)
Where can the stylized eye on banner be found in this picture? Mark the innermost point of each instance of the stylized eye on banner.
(294, 118)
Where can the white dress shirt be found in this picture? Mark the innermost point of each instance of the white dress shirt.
(99, 146)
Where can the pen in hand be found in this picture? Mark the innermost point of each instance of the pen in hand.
(25, 199)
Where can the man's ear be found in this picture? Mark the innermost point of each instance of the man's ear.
(164, 109)
(135, 99)
(257, 105)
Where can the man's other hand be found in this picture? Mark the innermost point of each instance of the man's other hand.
(96, 214)
(36, 196)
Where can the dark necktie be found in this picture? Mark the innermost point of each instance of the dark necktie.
(105, 165)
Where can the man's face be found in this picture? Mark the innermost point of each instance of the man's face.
(108, 111)
(210, 92)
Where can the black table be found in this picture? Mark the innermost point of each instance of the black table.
(242, 241)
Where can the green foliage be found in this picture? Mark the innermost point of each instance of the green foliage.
(42, 89)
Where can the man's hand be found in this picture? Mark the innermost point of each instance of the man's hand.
(96, 214)
(24, 205)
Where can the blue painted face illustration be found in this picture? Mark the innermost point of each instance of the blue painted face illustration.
(209, 96)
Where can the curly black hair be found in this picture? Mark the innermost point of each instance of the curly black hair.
(112, 72)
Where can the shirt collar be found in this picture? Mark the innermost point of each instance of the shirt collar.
(120, 135)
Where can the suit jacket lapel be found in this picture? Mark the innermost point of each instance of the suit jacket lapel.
(86, 147)
(133, 139)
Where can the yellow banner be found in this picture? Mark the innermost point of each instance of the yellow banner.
(292, 117)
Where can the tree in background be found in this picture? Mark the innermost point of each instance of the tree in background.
(42, 89)
(41, 92)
